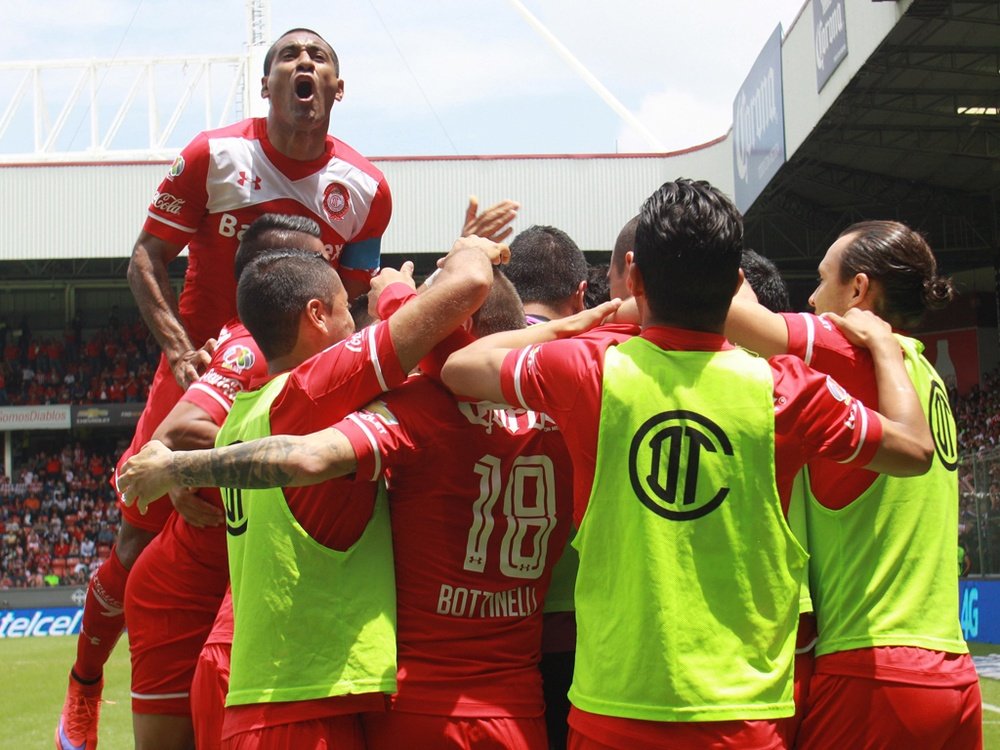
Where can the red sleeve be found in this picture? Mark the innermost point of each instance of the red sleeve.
(380, 432)
(821, 345)
(236, 363)
(326, 387)
(814, 417)
(180, 201)
(392, 298)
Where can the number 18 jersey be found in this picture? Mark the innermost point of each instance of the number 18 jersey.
(481, 506)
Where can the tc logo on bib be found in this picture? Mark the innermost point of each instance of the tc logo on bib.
(665, 464)
(236, 519)
(942, 424)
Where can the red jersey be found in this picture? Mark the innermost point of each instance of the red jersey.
(236, 362)
(480, 501)
(226, 178)
(813, 416)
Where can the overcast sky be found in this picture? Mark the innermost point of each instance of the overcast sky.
(438, 78)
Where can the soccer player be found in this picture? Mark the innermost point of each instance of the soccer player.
(684, 449)
(881, 547)
(219, 184)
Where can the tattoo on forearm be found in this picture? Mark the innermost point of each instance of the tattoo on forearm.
(276, 461)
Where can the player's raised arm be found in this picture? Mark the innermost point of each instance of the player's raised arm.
(276, 461)
(459, 288)
(150, 284)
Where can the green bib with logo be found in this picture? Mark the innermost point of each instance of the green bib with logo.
(687, 595)
(310, 621)
(881, 566)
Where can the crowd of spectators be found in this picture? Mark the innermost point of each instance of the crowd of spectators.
(114, 363)
(58, 516)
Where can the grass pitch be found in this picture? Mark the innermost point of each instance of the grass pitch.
(33, 685)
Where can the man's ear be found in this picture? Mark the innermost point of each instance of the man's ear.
(315, 314)
(633, 279)
(340, 91)
(861, 290)
(580, 297)
(264, 93)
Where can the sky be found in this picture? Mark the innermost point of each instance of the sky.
(448, 77)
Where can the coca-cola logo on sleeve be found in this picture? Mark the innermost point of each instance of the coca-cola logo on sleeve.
(167, 203)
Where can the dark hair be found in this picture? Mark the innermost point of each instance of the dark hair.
(598, 288)
(901, 262)
(545, 265)
(359, 312)
(766, 281)
(273, 292)
(688, 246)
(273, 49)
(271, 232)
(502, 310)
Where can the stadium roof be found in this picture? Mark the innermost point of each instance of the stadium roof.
(915, 135)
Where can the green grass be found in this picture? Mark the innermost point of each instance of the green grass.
(33, 685)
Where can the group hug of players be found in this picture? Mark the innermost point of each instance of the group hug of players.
(747, 546)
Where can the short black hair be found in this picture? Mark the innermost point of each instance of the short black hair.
(274, 290)
(688, 246)
(598, 287)
(270, 232)
(272, 50)
(502, 310)
(766, 281)
(545, 265)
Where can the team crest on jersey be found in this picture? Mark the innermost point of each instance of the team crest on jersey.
(176, 168)
(664, 459)
(238, 358)
(336, 201)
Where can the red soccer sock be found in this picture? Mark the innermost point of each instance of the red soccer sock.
(103, 618)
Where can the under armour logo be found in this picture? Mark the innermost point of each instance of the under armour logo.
(244, 178)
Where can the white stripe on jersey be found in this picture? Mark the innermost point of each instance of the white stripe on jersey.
(810, 337)
(518, 371)
(373, 353)
(371, 439)
(864, 432)
(173, 224)
(205, 389)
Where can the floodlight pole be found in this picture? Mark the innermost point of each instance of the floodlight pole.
(587, 76)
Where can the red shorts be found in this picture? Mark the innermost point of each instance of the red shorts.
(391, 730)
(208, 695)
(171, 600)
(858, 712)
(342, 732)
(164, 393)
(594, 732)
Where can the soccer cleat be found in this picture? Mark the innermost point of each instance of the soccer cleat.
(77, 728)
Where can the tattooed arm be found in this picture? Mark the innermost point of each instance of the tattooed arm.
(276, 461)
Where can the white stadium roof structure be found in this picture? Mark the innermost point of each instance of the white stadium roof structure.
(906, 126)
